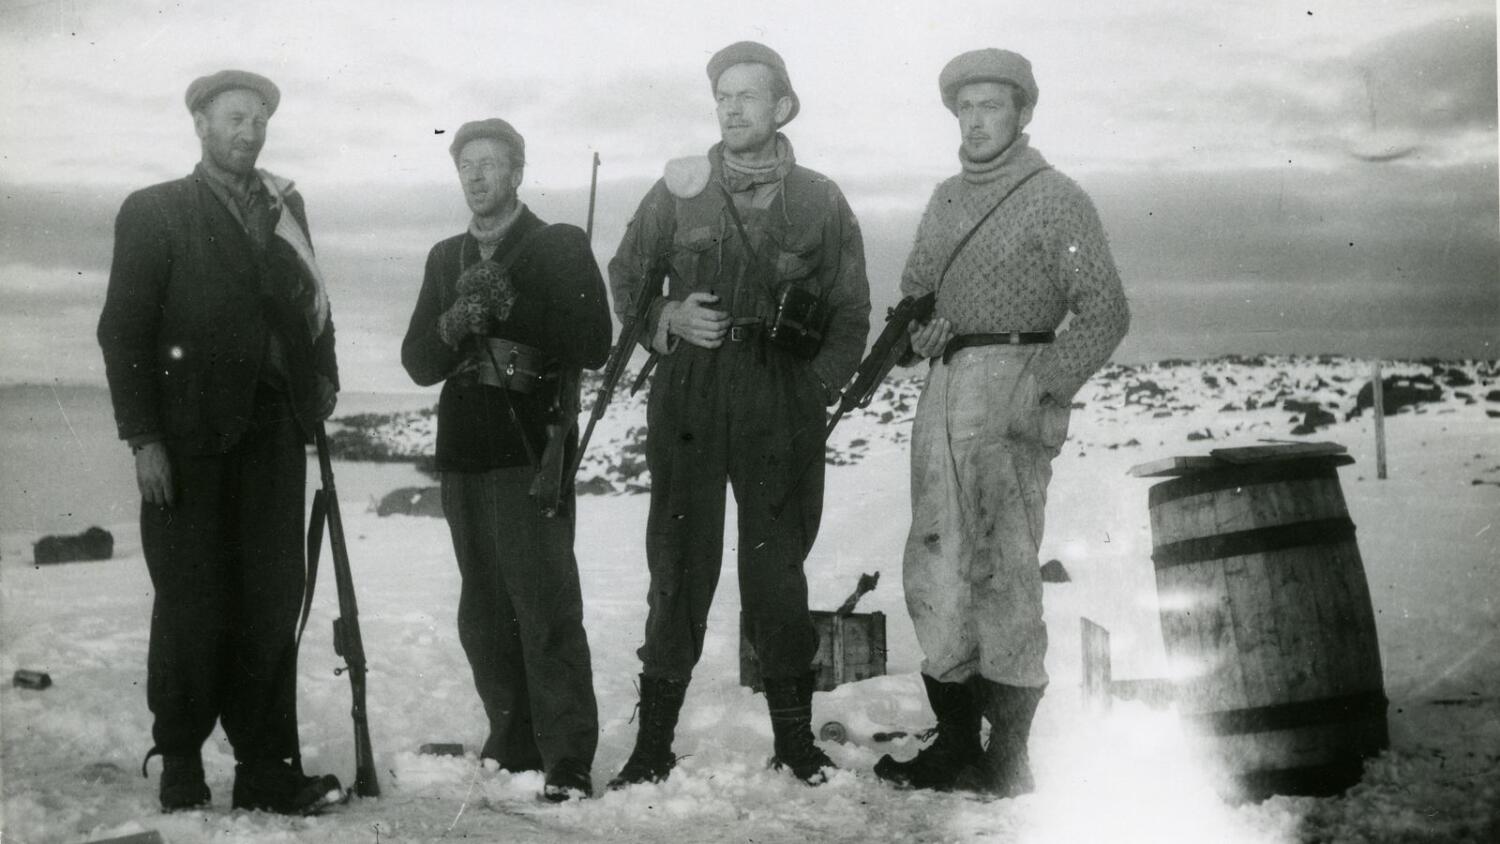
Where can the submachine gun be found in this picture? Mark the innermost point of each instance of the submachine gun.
(892, 343)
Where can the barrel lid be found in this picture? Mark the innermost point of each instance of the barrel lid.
(1221, 458)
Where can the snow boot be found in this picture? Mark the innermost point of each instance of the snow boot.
(789, 700)
(182, 784)
(938, 765)
(652, 759)
(273, 785)
(1005, 769)
(568, 780)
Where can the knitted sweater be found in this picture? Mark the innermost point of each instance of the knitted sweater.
(1042, 255)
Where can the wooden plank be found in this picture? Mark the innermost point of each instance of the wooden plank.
(1241, 455)
(1171, 467)
(1096, 667)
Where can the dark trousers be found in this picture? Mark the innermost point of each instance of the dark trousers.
(754, 418)
(226, 563)
(520, 620)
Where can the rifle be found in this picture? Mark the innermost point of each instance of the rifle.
(553, 479)
(347, 642)
(614, 368)
(889, 347)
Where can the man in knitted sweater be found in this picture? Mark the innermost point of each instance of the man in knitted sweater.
(1011, 247)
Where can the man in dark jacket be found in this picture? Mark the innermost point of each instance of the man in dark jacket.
(743, 235)
(218, 348)
(507, 315)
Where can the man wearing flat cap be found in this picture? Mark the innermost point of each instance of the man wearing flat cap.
(1011, 247)
(218, 348)
(508, 314)
(763, 319)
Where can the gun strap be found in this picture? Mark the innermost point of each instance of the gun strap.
(314, 549)
(964, 241)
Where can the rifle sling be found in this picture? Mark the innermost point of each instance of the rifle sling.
(964, 241)
(314, 550)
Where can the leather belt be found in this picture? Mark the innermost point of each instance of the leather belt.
(1010, 338)
(521, 368)
(743, 329)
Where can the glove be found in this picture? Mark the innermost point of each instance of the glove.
(466, 316)
(484, 294)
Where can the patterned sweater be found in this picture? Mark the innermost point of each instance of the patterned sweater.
(1042, 255)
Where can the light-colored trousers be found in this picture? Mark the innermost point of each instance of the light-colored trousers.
(981, 459)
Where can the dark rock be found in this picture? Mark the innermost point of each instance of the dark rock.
(1313, 420)
(412, 501)
(1053, 572)
(96, 543)
(1456, 378)
(1492, 395)
(1398, 391)
(1205, 434)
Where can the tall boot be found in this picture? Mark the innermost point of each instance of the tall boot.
(1005, 769)
(789, 700)
(937, 766)
(652, 759)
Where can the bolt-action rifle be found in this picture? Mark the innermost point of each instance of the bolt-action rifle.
(892, 343)
(554, 475)
(347, 641)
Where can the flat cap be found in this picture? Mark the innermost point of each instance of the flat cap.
(988, 65)
(741, 52)
(494, 128)
(204, 88)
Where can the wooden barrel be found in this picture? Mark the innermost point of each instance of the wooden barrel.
(1266, 618)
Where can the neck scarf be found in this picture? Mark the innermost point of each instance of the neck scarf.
(740, 175)
(315, 298)
(489, 236)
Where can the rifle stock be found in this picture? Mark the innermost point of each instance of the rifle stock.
(347, 641)
(888, 349)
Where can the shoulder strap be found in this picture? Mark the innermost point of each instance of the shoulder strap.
(964, 241)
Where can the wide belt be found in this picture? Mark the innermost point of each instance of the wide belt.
(515, 366)
(1010, 338)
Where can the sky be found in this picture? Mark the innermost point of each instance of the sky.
(1274, 177)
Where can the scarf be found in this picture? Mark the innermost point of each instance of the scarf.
(315, 308)
(741, 176)
(489, 238)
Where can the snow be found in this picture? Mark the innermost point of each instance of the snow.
(71, 753)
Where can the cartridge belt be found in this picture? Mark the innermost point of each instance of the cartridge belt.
(1010, 338)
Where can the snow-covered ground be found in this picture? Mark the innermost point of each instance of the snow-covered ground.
(71, 752)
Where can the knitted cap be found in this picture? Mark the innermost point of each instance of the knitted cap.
(988, 65)
(494, 128)
(742, 52)
(204, 88)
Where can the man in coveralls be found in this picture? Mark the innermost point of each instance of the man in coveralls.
(730, 232)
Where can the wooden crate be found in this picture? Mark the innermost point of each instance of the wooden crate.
(850, 647)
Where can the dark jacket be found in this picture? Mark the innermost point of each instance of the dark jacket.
(560, 309)
(188, 312)
(807, 233)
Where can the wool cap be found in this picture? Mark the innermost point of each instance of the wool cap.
(741, 52)
(494, 128)
(988, 65)
(205, 87)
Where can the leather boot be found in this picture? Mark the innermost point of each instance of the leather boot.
(182, 784)
(1005, 769)
(652, 759)
(273, 785)
(938, 765)
(789, 700)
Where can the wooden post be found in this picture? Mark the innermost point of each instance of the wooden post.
(1096, 668)
(1378, 393)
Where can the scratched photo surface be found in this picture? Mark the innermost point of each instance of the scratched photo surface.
(1300, 199)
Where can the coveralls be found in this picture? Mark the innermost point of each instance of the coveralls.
(749, 412)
